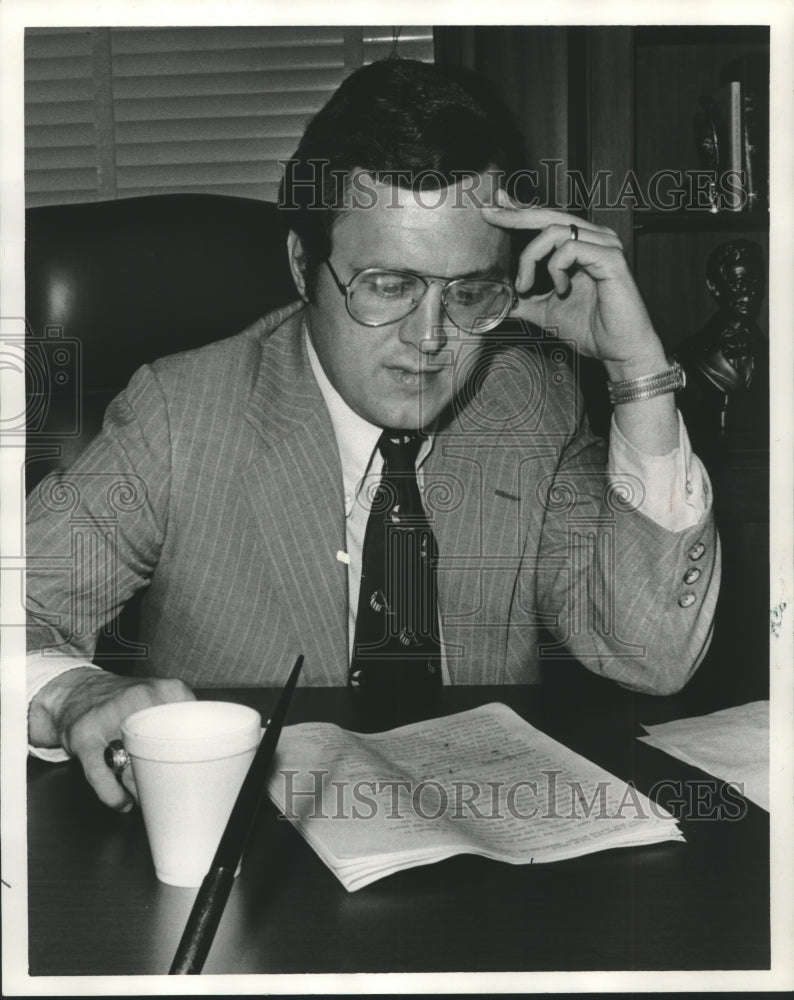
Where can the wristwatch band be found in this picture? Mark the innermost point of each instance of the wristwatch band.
(647, 386)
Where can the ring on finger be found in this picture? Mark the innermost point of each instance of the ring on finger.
(116, 757)
(574, 231)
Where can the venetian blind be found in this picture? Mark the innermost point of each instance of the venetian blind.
(117, 112)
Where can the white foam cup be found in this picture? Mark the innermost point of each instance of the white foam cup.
(189, 759)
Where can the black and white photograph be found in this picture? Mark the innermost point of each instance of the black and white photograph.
(396, 429)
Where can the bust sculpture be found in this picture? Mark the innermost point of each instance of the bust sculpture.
(727, 349)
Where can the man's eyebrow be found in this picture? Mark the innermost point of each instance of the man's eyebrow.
(495, 271)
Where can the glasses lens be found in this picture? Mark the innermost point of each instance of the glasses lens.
(379, 297)
(477, 306)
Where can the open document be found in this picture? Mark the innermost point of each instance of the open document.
(480, 782)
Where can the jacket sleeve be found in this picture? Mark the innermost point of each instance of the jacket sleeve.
(630, 599)
(95, 531)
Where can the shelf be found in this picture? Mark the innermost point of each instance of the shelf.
(700, 221)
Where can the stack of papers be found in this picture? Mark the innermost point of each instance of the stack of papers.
(732, 745)
(481, 782)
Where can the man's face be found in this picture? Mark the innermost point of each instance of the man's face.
(739, 289)
(403, 374)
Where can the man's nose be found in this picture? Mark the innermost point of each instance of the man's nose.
(426, 327)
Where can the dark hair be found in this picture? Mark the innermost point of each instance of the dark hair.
(726, 255)
(404, 122)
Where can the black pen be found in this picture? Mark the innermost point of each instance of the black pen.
(208, 907)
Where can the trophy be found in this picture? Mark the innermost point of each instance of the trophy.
(706, 128)
(731, 133)
(751, 72)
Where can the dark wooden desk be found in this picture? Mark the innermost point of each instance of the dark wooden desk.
(96, 907)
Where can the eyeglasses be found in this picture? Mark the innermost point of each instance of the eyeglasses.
(376, 297)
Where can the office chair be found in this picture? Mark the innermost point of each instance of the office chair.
(112, 285)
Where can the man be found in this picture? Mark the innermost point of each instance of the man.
(246, 467)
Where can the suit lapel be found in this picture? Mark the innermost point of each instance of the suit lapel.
(479, 539)
(480, 523)
(293, 484)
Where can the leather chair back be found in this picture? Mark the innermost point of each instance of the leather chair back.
(112, 285)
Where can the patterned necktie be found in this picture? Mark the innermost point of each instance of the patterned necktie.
(396, 651)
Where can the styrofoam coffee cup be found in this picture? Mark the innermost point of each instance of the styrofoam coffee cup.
(189, 759)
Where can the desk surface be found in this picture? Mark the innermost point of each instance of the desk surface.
(96, 907)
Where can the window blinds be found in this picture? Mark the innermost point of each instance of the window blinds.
(60, 130)
(117, 112)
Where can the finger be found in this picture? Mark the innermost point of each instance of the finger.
(558, 265)
(533, 309)
(516, 217)
(600, 262)
(554, 236)
(128, 780)
(172, 689)
(102, 779)
(551, 239)
(504, 200)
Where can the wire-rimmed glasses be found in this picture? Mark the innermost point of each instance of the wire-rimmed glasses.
(377, 296)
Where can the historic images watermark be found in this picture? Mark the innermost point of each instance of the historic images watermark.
(314, 795)
(51, 364)
(315, 185)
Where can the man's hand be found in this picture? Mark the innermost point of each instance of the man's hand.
(596, 305)
(595, 302)
(82, 711)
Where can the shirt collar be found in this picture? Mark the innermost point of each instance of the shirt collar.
(356, 438)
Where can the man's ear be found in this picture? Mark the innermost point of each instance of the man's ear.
(297, 263)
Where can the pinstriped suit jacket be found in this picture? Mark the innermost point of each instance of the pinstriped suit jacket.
(216, 484)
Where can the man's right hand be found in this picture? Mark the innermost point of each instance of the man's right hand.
(82, 711)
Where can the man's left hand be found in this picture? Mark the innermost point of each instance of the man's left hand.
(595, 302)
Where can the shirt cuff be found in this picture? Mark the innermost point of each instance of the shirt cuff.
(40, 670)
(672, 490)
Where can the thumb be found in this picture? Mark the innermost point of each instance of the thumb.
(533, 309)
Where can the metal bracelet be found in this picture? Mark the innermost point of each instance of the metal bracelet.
(647, 386)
